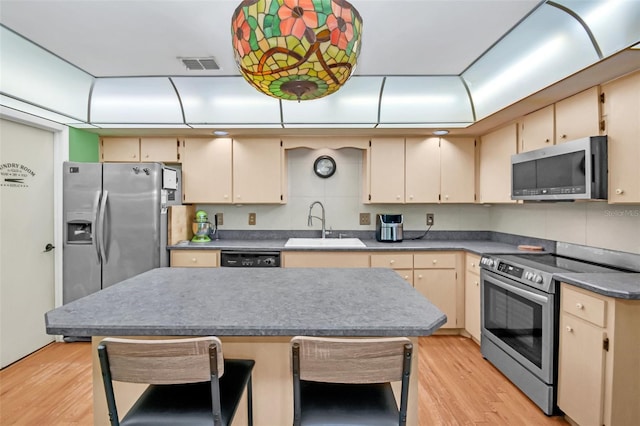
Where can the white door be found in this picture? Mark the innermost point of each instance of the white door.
(26, 227)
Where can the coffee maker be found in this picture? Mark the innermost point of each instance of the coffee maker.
(389, 227)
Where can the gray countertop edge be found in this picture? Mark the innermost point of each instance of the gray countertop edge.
(619, 285)
(246, 332)
(473, 246)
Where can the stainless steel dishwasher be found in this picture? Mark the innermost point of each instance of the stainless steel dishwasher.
(249, 259)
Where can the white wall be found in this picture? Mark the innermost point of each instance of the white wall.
(588, 223)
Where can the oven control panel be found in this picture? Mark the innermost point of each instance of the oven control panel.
(522, 273)
(510, 269)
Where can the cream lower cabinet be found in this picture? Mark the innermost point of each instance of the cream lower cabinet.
(324, 259)
(402, 263)
(472, 296)
(598, 365)
(436, 276)
(195, 258)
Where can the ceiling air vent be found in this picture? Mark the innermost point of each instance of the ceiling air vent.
(198, 64)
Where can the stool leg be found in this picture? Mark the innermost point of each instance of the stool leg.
(250, 402)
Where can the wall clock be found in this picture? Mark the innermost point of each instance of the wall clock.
(324, 166)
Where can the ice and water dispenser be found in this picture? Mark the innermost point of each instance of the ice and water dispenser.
(79, 228)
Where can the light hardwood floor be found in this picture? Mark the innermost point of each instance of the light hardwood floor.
(457, 387)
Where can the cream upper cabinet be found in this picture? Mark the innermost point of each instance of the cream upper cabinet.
(472, 296)
(257, 171)
(575, 117)
(578, 116)
(146, 149)
(164, 150)
(537, 129)
(457, 170)
(622, 116)
(598, 377)
(206, 170)
(120, 150)
(422, 170)
(386, 170)
(496, 149)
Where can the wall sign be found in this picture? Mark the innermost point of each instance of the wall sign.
(15, 175)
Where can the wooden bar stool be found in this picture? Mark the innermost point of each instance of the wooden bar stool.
(190, 383)
(348, 381)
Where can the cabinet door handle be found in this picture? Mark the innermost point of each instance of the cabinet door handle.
(579, 305)
(194, 260)
(477, 283)
(392, 261)
(619, 191)
(419, 277)
(435, 261)
(570, 329)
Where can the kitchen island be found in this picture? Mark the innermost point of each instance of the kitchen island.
(255, 312)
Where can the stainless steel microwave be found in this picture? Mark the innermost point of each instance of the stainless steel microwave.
(575, 170)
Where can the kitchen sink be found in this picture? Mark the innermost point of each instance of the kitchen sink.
(324, 242)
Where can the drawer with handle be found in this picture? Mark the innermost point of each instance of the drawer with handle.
(583, 305)
(194, 258)
(434, 260)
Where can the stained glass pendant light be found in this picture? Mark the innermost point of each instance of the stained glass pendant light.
(296, 49)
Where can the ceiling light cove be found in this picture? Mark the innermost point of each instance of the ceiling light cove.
(296, 49)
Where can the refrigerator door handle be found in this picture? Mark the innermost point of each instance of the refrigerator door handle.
(101, 239)
(96, 234)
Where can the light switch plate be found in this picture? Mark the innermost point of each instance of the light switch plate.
(252, 218)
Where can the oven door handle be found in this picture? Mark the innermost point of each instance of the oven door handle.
(517, 290)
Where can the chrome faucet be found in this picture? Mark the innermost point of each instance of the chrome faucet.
(310, 218)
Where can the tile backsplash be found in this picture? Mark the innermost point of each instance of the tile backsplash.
(597, 224)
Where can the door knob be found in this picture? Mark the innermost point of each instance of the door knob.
(48, 247)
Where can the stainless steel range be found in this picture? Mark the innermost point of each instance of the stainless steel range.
(519, 317)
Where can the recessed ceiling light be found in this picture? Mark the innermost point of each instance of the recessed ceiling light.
(440, 132)
(220, 133)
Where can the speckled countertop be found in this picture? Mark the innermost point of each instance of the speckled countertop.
(252, 302)
(620, 285)
(474, 246)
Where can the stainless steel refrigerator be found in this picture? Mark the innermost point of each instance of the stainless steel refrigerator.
(115, 222)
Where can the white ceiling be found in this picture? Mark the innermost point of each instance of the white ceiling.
(401, 39)
(145, 37)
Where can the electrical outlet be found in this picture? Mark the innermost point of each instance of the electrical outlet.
(430, 219)
(252, 218)
(365, 218)
(219, 219)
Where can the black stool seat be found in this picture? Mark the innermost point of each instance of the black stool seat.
(336, 404)
(190, 404)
